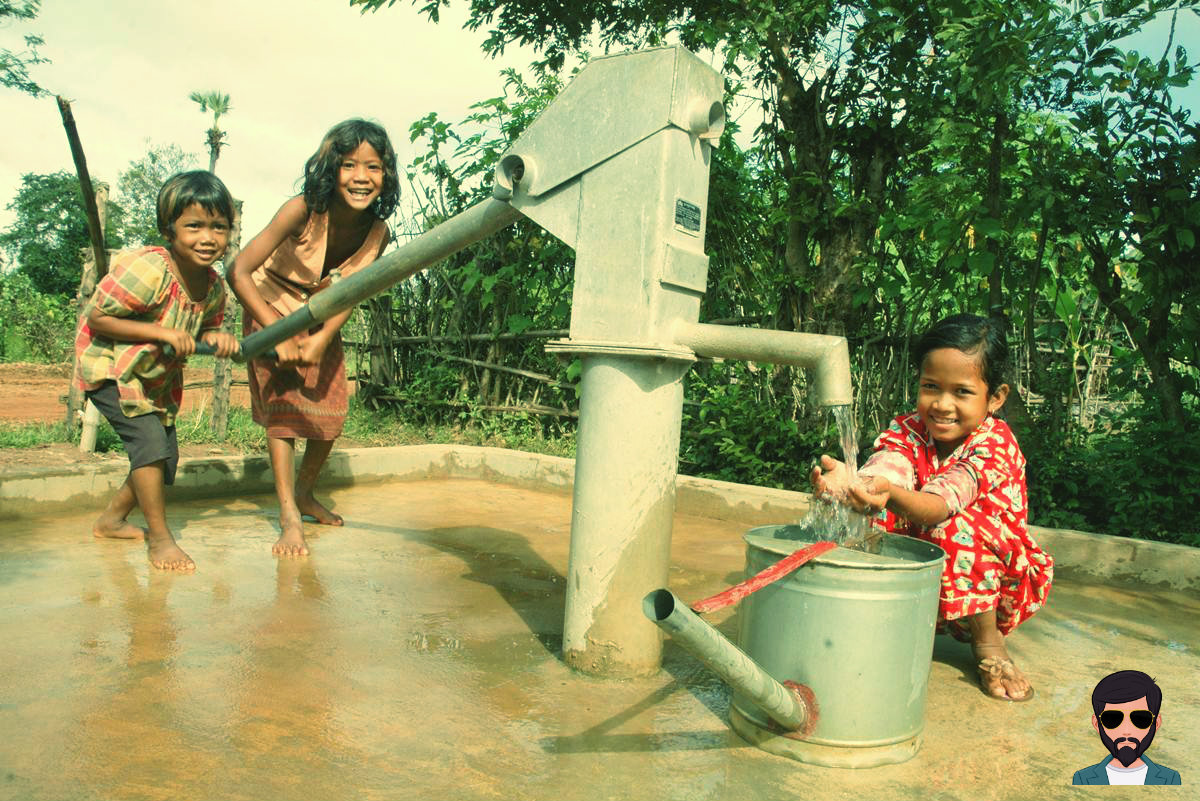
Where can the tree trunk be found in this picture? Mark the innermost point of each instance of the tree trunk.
(994, 202)
(1016, 410)
(1033, 285)
(95, 225)
(215, 136)
(820, 295)
(1152, 343)
(89, 277)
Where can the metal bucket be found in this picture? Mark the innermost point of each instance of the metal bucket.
(857, 628)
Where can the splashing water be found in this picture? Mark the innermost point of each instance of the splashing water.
(836, 521)
(841, 524)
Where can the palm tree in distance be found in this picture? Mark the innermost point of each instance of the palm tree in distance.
(218, 103)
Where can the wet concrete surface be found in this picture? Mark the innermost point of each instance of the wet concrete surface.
(417, 654)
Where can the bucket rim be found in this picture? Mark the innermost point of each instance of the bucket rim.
(759, 537)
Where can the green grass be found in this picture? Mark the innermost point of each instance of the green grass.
(363, 426)
(241, 431)
(513, 431)
(31, 435)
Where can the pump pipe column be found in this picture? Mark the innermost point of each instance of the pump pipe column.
(617, 167)
(628, 288)
(624, 505)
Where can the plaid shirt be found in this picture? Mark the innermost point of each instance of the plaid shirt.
(140, 286)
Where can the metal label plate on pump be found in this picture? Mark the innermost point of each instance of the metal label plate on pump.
(687, 215)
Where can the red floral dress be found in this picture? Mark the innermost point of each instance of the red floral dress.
(992, 562)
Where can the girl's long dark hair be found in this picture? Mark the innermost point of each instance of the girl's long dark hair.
(321, 170)
(973, 335)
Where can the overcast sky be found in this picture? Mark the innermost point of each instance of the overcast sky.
(292, 69)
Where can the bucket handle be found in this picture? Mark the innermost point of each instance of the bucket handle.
(759, 580)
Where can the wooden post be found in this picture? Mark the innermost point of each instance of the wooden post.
(95, 233)
(223, 369)
(380, 332)
(95, 227)
(87, 285)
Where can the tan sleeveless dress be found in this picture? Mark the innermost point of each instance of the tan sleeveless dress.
(307, 401)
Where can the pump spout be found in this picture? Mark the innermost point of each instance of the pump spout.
(827, 356)
(793, 708)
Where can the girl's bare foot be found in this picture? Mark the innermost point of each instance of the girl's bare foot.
(308, 505)
(166, 555)
(291, 542)
(999, 677)
(117, 529)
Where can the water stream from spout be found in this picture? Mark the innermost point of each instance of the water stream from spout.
(843, 416)
(836, 521)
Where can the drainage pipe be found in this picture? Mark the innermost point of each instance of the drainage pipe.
(827, 356)
(787, 706)
(91, 425)
(451, 236)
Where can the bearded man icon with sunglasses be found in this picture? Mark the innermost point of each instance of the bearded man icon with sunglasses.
(1126, 705)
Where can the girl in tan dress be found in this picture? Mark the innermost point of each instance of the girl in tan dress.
(333, 229)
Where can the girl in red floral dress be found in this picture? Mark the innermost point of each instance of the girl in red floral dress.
(952, 474)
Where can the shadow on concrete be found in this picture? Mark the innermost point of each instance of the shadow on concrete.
(599, 743)
(504, 561)
(602, 739)
(958, 655)
(687, 674)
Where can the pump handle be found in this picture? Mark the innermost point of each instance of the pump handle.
(205, 349)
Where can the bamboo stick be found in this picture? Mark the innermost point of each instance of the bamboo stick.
(546, 334)
(520, 408)
(542, 377)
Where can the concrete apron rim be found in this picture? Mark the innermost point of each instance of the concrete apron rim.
(50, 490)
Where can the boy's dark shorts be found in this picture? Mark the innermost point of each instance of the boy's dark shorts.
(146, 439)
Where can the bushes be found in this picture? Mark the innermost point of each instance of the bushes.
(1134, 476)
(1139, 478)
(733, 430)
(33, 327)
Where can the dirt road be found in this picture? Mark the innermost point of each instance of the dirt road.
(37, 392)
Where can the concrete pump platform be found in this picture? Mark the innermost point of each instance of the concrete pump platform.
(416, 653)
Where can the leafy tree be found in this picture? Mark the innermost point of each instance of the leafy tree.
(1035, 158)
(832, 80)
(218, 103)
(517, 279)
(33, 326)
(138, 189)
(14, 66)
(914, 160)
(50, 231)
(1128, 198)
(849, 90)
